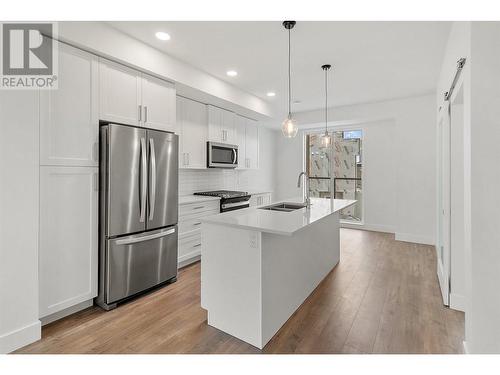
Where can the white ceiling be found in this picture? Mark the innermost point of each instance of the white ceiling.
(371, 61)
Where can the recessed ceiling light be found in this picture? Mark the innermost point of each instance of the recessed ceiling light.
(232, 73)
(162, 35)
(271, 94)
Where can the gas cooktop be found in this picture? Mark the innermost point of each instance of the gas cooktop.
(223, 193)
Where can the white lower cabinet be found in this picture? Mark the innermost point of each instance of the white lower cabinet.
(189, 229)
(260, 199)
(68, 240)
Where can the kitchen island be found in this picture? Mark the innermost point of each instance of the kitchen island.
(258, 264)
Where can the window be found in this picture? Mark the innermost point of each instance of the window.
(337, 170)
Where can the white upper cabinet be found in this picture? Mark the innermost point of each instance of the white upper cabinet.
(158, 101)
(134, 98)
(241, 125)
(68, 237)
(228, 126)
(119, 93)
(193, 133)
(252, 144)
(221, 125)
(69, 123)
(247, 133)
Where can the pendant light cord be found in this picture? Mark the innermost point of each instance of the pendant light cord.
(326, 101)
(289, 78)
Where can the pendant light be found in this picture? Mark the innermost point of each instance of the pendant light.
(289, 126)
(326, 139)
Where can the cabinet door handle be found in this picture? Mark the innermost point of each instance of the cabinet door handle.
(198, 208)
(197, 223)
(145, 113)
(95, 181)
(140, 113)
(188, 158)
(95, 151)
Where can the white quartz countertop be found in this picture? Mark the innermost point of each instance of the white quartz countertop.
(186, 199)
(278, 222)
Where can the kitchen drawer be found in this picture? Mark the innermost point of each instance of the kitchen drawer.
(186, 210)
(189, 225)
(189, 247)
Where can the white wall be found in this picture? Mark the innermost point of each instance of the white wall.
(259, 180)
(19, 324)
(483, 307)
(409, 194)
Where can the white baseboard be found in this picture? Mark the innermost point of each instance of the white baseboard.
(370, 227)
(20, 337)
(414, 238)
(457, 302)
(68, 311)
(464, 343)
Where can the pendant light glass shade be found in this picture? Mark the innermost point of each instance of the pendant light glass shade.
(326, 138)
(289, 126)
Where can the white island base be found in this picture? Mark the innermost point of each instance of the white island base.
(252, 280)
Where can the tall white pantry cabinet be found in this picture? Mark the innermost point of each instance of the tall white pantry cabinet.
(69, 163)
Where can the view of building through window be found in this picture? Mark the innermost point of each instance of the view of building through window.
(337, 169)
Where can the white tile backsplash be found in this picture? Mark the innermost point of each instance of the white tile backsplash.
(191, 181)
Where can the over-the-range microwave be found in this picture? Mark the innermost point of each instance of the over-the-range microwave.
(222, 155)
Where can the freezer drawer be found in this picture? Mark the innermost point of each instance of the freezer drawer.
(139, 262)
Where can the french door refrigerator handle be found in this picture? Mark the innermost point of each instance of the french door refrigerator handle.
(128, 241)
(144, 180)
(152, 185)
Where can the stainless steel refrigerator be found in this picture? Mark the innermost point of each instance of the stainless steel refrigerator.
(138, 207)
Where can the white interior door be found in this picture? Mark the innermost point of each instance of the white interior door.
(443, 242)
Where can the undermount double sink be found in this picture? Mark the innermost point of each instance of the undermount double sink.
(284, 207)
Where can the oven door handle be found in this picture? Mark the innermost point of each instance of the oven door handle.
(235, 204)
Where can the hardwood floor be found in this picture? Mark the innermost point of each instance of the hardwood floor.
(383, 297)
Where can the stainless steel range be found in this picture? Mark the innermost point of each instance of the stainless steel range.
(229, 200)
